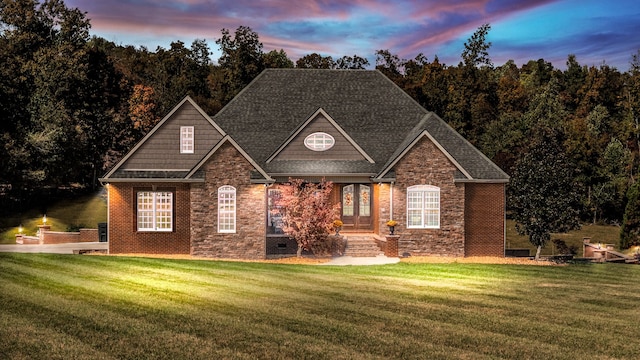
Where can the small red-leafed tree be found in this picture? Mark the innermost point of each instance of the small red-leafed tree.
(308, 212)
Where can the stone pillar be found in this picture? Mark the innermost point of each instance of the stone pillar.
(392, 245)
(19, 238)
(41, 230)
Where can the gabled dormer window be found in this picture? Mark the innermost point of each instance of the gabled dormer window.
(319, 141)
(186, 139)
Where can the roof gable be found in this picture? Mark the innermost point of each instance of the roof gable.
(228, 139)
(371, 109)
(473, 165)
(345, 148)
(159, 150)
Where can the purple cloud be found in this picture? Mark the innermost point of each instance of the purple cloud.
(406, 27)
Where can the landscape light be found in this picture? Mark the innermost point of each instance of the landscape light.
(20, 229)
(44, 219)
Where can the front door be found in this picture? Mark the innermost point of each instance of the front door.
(356, 206)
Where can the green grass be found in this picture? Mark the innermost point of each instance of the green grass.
(86, 210)
(86, 307)
(606, 234)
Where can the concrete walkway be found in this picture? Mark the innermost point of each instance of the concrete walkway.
(353, 260)
(54, 248)
(72, 248)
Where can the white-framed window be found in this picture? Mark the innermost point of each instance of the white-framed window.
(155, 210)
(319, 141)
(226, 209)
(186, 139)
(423, 207)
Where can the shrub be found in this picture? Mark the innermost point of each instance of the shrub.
(333, 245)
(563, 249)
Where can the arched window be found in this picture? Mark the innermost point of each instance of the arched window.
(423, 207)
(226, 209)
(319, 141)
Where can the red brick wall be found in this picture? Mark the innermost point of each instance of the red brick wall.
(89, 235)
(123, 234)
(485, 219)
(425, 164)
(228, 167)
(59, 237)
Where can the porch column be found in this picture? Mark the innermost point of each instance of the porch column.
(392, 245)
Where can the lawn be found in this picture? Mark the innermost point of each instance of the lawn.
(87, 307)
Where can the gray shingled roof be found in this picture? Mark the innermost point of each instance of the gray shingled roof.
(379, 116)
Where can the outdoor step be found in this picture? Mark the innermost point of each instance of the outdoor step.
(361, 246)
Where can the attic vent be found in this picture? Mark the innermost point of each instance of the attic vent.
(319, 141)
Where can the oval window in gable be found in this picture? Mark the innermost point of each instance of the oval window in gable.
(319, 141)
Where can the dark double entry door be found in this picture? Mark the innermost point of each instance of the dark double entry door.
(355, 201)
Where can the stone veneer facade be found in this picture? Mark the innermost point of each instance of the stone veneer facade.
(228, 167)
(471, 218)
(425, 164)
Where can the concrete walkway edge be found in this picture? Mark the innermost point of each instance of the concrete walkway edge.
(353, 260)
(67, 248)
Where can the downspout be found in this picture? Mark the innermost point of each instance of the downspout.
(108, 216)
(391, 200)
(504, 221)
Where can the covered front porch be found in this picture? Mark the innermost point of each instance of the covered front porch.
(364, 210)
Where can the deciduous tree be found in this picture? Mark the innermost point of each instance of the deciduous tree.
(542, 191)
(355, 62)
(308, 212)
(630, 230)
(315, 61)
(277, 59)
(242, 59)
(476, 48)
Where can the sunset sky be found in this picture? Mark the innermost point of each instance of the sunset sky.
(595, 31)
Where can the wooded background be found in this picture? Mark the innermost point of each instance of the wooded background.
(71, 104)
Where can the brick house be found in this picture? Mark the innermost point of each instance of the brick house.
(205, 185)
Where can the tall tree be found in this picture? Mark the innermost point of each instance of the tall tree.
(630, 230)
(277, 60)
(435, 85)
(242, 59)
(542, 191)
(476, 48)
(352, 62)
(608, 191)
(391, 66)
(315, 61)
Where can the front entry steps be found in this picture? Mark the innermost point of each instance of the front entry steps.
(361, 245)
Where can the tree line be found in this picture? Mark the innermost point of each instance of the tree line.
(72, 104)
